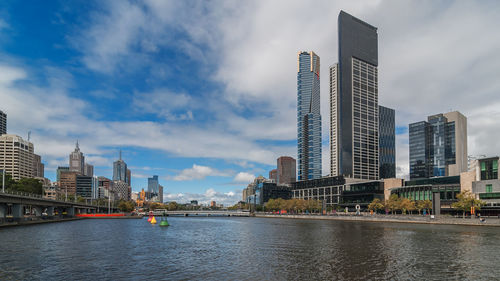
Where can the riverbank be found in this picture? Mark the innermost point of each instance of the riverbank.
(393, 219)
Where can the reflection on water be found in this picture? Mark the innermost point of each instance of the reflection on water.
(247, 249)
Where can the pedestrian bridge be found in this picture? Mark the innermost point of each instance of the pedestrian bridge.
(201, 213)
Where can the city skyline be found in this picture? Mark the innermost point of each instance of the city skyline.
(212, 140)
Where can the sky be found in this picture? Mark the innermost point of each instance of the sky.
(203, 93)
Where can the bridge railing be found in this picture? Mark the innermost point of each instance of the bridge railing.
(21, 193)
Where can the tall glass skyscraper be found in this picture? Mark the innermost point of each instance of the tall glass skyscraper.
(120, 170)
(3, 123)
(153, 185)
(354, 110)
(438, 146)
(387, 142)
(308, 116)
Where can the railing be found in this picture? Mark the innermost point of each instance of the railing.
(39, 196)
(21, 193)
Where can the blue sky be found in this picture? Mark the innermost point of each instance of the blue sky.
(203, 93)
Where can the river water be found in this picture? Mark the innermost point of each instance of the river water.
(248, 249)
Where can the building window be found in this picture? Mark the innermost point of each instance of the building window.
(489, 188)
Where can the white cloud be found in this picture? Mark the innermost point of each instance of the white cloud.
(243, 177)
(198, 172)
(227, 198)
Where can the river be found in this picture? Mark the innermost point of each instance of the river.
(247, 249)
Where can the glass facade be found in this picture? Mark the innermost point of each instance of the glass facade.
(354, 101)
(432, 147)
(153, 185)
(489, 168)
(308, 116)
(3, 123)
(387, 142)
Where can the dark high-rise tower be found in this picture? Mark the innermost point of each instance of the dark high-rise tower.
(387, 142)
(308, 116)
(3, 123)
(354, 132)
(120, 170)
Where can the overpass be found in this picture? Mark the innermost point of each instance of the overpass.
(19, 206)
(201, 213)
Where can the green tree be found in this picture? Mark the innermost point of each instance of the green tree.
(272, 205)
(466, 201)
(126, 206)
(153, 206)
(376, 205)
(393, 204)
(172, 206)
(407, 205)
(423, 204)
(26, 185)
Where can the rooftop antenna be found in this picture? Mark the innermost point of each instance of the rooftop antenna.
(120, 154)
(29, 135)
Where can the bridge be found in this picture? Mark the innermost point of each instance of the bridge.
(201, 213)
(20, 206)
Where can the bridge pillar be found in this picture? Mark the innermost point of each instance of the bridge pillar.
(17, 212)
(70, 211)
(50, 211)
(3, 211)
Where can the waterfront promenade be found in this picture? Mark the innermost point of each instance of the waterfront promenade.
(415, 219)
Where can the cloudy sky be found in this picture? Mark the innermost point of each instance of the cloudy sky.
(203, 93)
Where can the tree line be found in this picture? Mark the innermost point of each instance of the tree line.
(396, 204)
(465, 202)
(293, 205)
(27, 185)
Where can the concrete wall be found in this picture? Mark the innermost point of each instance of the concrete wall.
(391, 183)
(466, 179)
(460, 143)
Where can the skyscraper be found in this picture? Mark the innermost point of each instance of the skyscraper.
(3, 123)
(438, 146)
(89, 170)
(273, 175)
(38, 167)
(120, 170)
(153, 185)
(387, 142)
(129, 177)
(286, 170)
(77, 161)
(354, 131)
(308, 116)
(16, 156)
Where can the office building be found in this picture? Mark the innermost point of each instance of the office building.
(121, 190)
(84, 186)
(438, 146)
(308, 116)
(273, 175)
(67, 182)
(387, 142)
(120, 170)
(129, 177)
(59, 170)
(153, 185)
(286, 170)
(3, 123)
(160, 193)
(95, 187)
(38, 167)
(354, 131)
(77, 161)
(16, 156)
(89, 170)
